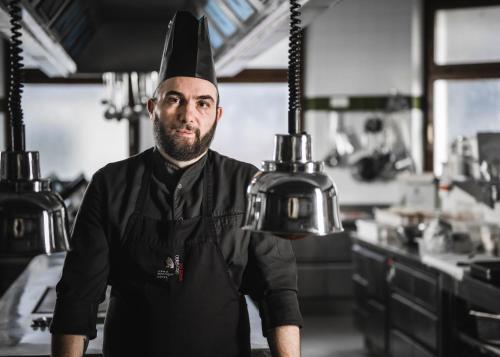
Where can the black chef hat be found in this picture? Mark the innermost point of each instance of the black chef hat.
(187, 50)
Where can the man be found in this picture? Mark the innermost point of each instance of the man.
(163, 229)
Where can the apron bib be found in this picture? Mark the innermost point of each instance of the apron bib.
(172, 293)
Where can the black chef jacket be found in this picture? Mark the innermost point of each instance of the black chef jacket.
(261, 265)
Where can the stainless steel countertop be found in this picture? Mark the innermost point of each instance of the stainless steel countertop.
(18, 338)
(453, 264)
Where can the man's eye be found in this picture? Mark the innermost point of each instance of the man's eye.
(173, 100)
(204, 104)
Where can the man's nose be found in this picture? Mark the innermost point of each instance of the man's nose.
(188, 113)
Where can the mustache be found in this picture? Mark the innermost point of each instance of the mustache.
(188, 127)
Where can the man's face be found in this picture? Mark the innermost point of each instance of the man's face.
(185, 115)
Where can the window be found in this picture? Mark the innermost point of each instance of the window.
(253, 113)
(467, 35)
(463, 108)
(462, 73)
(65, 123)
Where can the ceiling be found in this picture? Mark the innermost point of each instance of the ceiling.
(126, 34)
(62, 37)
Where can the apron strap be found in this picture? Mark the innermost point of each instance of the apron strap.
(207, 203)
(145, 183)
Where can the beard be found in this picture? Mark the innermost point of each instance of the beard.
(179, 148)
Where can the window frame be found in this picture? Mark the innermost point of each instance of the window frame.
(433, 71)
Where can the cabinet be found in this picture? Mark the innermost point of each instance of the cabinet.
(324, 267)
(396, 304)
(407, 309)
(370, 312)
(414, 305)
(476, 336)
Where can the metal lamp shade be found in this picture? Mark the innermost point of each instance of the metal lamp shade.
(292, 196)
(33, 219)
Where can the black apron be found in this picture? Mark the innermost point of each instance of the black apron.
(172, 294)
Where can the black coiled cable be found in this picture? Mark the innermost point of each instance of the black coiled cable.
(16, 113)
(294, 62)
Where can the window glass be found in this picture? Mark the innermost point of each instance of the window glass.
(65, 123)
(467, 35)
(253, 113)
(241, 8)
(219, 17)
(216, 39)
(463, 108)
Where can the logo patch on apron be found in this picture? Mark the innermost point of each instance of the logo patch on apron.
(173, 267)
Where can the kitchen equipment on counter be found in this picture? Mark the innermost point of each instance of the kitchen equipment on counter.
(407, 223)
(474, 167)
(490, 238)
(489, 158)
(440, 236)
(486, 270)
(409, 234)
(489, 150)
(463, 162)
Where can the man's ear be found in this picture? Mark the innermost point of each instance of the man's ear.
(218, 114)
(151, 108)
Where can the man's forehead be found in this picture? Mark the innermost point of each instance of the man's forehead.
(188, 86)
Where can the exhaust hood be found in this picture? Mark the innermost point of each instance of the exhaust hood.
(53, 32)
(243, 29)
(64, 37)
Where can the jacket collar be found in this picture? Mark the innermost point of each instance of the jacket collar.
(171, 175)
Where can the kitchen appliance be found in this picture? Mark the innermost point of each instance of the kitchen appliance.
(292, 196)
(486, 270)
(462, 159)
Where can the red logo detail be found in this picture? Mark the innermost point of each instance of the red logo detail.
(181, 272)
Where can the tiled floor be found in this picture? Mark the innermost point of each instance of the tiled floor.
(331, 336)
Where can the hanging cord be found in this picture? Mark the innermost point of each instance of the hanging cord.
(16, 113)
(294, 63)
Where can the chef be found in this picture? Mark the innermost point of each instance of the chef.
(163, 229)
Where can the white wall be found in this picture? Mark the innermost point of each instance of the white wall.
(275, 57)
(364, 48)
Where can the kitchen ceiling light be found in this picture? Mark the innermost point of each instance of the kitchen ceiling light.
(291, 196)
(33, 219)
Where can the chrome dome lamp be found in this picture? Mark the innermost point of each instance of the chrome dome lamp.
(291, 196)
(33, 219)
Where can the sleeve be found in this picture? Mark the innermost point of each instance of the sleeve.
(82, 286)
(270, 278)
